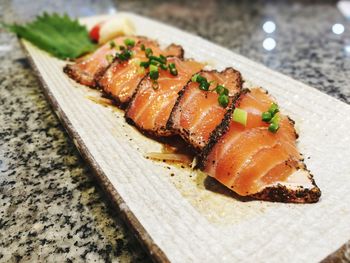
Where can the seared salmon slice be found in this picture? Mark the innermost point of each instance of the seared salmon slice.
(152, 103)
(122, 77)
(197, 112)
(253, 161)
(88, 69)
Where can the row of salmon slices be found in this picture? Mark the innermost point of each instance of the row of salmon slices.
(246, 157)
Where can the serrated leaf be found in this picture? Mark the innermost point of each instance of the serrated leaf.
(61, 36)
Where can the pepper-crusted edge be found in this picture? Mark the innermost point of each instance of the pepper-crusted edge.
(278, 193)
(181, 93)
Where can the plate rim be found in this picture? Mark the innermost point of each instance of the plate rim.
(144, 238)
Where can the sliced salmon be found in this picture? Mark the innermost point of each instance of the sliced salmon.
(197, 112)
(152, 104)
(122, 77)
(252, 161)
(87, 70)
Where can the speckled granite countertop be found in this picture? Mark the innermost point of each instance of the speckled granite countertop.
(51, 209)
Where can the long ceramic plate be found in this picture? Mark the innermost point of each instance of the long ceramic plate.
(182, 216)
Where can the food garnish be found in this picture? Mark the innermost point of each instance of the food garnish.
(129, 42)
(240, 116)
(112, 28)
(59, 35)
(223, 92)
(272, 117)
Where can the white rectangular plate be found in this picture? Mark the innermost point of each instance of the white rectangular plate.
(185, 218)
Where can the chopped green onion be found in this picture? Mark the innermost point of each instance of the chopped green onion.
(273, 109)
(273, 127)
(172, 69)
(153, 68)
(121, 47)
(148, 52)
(129, 42)
(240, 116)
(112, 44)
(219, 89)
(125, 55)
(200, 79)
(266, 116)
(109, 58)
(143, 47)
(154, 62)
(275, 119)
(163, 66)
(158, 59)
(194, 78)
(163, 58)
(154, 73)
(223, 100)
(204, 85)
(272, 117)
(144, 64)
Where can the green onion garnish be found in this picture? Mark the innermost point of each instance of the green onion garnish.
(194, 78)
(154, 62)
(158, 59)
(272, 118)
(153, 73)
(266, 116)
(172, 69)
(143, 47)
(163, 58)
(275, 119)
(121, 47)
(144, 64)
(273, 109)
(109, 58)
(129, 42)
(125, 55)
(204, 85)
(163, 66)
(112, 44)
(200, 79)
(273, 127)
(153, 68)
(240, 116)
(223, 100)
(148, 52)
(219, 89)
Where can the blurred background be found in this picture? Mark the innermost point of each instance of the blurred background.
(50, 207)
(304, 39)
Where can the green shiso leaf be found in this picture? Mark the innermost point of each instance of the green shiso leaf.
(61, 36)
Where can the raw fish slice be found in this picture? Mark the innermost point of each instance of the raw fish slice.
(122, 77)
(87, 70)
(197, 112)
(152, 104)
(252, 161)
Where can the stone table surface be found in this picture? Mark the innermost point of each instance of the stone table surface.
(51, 209)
